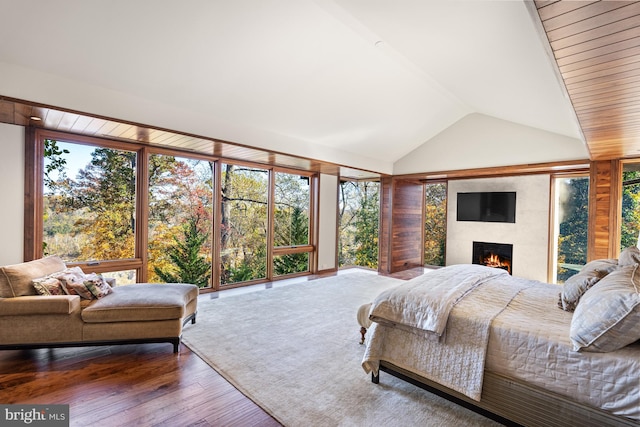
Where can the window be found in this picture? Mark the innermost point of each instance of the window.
(570, 225)
(359, 205)
(146, 214)
(89, 196)
(435, 225)
(630, 224)
(291, 223)
(179, 220)
(244, 224)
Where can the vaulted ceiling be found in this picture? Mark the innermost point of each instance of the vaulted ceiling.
(351, 83)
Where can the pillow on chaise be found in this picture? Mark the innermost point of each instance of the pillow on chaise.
(97, 285)
(579, 283)
(48, 286)
(607, 317)
(72, 280)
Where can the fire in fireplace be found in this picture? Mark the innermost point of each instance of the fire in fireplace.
(496, 255)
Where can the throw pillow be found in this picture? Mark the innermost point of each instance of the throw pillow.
(97, 285)
(578, 284)
(607, 317)
(72, 280)
(48, 286)
(629, 256)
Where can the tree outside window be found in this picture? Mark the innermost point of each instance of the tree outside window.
(359, 206)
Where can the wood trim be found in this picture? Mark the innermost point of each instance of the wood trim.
(604, 209)
(498, 171)
(18, 112)
(33, 226)
(299, 249)
(216, 237)
(142, 214)
(615, 209)
(271, 200)
(384, 226)
(109, 265)
(552, 251)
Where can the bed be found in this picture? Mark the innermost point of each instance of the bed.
(522, 351)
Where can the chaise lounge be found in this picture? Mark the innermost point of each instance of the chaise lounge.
(45, 304)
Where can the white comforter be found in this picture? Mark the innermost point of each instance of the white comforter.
(425, 302)
(455, 357)
(528, 340)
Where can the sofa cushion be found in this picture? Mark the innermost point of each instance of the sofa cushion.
(141, 302)
(15, 280)
(31, 305)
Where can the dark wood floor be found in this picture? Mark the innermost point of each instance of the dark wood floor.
(142, 385)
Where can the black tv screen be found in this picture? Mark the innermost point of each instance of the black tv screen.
(495, 206)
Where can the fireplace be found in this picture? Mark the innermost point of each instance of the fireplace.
(496, 255)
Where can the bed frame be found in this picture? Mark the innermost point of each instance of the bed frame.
(512, 402)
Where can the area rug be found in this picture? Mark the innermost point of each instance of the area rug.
(295, 351)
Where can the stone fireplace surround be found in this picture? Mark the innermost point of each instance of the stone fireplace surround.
(529, 235)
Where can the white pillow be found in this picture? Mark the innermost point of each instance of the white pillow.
(607, 317)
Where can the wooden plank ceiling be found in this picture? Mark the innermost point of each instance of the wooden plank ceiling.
(596, 45)
(24, 113)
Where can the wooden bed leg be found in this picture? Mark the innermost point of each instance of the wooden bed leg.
(363, 331)
(375, 378)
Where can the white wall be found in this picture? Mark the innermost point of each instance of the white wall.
(50, 89)
(479, 141)
(12, 190)
(327, 240)
(529, 234)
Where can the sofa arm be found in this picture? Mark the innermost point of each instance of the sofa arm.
(28, 305)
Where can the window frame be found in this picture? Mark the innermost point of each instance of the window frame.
(553, 225)
(34, 206)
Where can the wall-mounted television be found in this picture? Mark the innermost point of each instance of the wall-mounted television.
(494, 206)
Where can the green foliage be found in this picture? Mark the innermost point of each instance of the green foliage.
(243, 227)
(435, 227)
(292, 228)
(243, 273)
(179, 189)
(630, 227)
(291, 263)
(54, 162)
(189, 265)
(359, 216)
(573, 226)
(93, 215)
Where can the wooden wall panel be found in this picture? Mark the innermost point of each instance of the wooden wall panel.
(384, 226)
(604, 208)
(407, 225)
